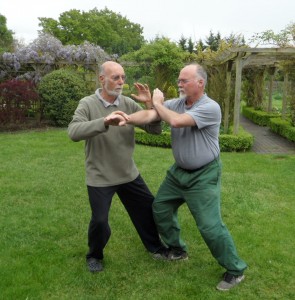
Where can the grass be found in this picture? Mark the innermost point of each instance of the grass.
(276, 102)
(45, 213)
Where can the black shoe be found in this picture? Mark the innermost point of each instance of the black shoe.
(161, 254)
(177, 254)
(94, 264)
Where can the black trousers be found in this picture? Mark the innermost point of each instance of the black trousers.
(137, 200)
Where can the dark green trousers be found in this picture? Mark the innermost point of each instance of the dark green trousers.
(200, 190)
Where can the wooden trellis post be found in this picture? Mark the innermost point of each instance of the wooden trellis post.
(227, 98)
(237, 104)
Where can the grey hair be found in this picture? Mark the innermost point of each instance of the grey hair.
(200, 72)
(101, 69)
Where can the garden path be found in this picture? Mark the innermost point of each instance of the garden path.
(266, 141)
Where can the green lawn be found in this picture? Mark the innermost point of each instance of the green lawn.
(45, 212)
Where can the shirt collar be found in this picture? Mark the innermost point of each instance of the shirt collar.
(197, 103)
(104, 102)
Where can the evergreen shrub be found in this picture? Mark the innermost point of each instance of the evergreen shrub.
(227, 142)
(259, 117)
(241, 142)
(60, 92)
(163, 140)
(171, 92)
(283, 128)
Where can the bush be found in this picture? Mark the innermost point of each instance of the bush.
(60, 92)
(227, 142)
(163, 140)
(276, 124)
(236, 143)
(259, 117)
(277, 96)
(17, 100)
(283, 128)
(171, 92)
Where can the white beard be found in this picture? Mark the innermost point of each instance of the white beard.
(182, 94)
(114, 93)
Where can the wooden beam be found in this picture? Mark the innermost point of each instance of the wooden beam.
(264, 50)
(258, 56)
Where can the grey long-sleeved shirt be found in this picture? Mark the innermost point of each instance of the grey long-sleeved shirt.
(108, 151)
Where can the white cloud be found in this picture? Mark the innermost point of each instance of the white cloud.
(190, 18)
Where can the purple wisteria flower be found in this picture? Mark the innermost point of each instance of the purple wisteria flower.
(45, 53)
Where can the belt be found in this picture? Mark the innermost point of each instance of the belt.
(192, 170)
(198, 169)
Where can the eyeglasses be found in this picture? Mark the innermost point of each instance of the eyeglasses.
(118, 77)
(183, 81)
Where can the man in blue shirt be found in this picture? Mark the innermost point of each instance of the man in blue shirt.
(195, 176)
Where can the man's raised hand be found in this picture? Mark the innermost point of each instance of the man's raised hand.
(143, 94)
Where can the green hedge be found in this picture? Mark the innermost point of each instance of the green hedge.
(236, 143)
(283, 128)
(162, 140)
(273, 121)
(259, 117)
(227, 142)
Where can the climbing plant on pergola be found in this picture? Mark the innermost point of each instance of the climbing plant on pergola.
(233, 62)
(47, 53)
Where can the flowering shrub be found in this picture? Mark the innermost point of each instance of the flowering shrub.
(17, 99)
(46, 54)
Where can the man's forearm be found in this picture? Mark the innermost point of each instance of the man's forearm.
(143, 117)
(164, 113)
(173, 118)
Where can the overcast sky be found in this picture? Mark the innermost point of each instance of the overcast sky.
(169, 18)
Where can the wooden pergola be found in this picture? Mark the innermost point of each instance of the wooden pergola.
(242, 58)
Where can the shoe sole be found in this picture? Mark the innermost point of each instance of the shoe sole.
(160, 258)
(230, 287)
(172, 258)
